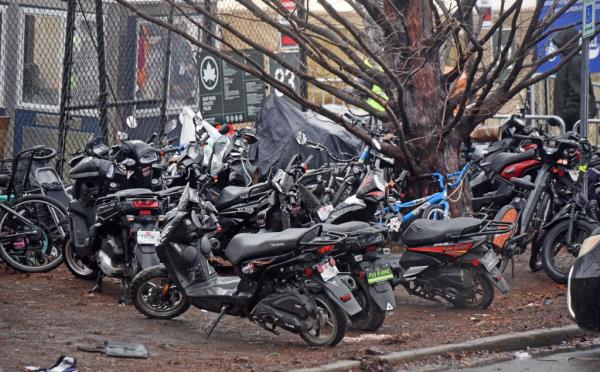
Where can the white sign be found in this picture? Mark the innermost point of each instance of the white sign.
(485, 9)
(209, 73)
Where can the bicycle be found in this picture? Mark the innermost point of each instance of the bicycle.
(33, 227)
(433, 207)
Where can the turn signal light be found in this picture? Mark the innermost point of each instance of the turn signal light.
(145, 204)
(347, 297)
(326, 249)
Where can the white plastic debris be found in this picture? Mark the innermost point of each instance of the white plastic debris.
(522, 355)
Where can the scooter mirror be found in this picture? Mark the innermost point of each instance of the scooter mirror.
(301, 138)
(376, 144)
(131, 122)
(171, 125)
(122, 136)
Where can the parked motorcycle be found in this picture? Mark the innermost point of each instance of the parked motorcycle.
(284, 279)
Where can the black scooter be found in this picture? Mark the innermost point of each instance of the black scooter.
(284, 279)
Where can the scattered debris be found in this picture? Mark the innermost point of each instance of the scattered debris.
(522, 355)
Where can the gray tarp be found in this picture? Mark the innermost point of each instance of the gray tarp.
(277, 125)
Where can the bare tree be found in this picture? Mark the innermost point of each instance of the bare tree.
(431, 57)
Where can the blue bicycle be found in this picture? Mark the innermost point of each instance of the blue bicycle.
(433, 207)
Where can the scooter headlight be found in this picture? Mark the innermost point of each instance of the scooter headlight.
(589, 244)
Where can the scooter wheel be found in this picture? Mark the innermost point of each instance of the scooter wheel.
(329, 323)
(371, 318)
(156, 296)
(484, 294)
(74, 264)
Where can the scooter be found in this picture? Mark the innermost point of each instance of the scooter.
(284, 279)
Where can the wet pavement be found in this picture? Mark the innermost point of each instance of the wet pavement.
(575, 361)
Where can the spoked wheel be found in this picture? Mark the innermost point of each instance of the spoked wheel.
(371, 318)
(482, 296)
(329, 326)
(435, 212)
(76, 265)
(38, 248)
(156, 296)
(558, 255)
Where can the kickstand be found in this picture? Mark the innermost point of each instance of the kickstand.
(512, 267)
(98, 286)
(214, 324)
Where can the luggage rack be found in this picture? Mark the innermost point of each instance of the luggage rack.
(22, 169)
(323, 238)
(490, 227)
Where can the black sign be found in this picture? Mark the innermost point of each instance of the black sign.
(284, 75)
(228, 94)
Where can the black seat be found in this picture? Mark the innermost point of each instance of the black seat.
(133, 192)
(502, 159)
(422, 231)
(230, 195)
(246, 246)
(4, 179)
(347, 227)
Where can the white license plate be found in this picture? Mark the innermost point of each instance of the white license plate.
(148, 237)
(490, 260)
(327, 271)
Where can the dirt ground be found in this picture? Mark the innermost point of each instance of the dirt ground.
(44, 316)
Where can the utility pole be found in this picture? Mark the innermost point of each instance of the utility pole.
(587, 31)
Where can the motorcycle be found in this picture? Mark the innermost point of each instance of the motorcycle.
(284, 279)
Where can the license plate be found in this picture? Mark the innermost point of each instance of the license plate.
(490, 260)
(379, 274)
(327, 271)
(148, 237)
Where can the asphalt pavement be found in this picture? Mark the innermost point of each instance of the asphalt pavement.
(580, 361)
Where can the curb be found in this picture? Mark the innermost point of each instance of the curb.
(506, 342)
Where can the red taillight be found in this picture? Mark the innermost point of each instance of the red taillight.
(371, 248)
(146, 204)
(308, 272)
(362, 275)
(347, 297)
(145, 212)
(475, 262)
(326, 249)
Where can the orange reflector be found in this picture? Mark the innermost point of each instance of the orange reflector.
(326, 249)
(347, 297)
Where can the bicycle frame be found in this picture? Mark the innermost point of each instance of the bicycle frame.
(30, 224)
(439, 198)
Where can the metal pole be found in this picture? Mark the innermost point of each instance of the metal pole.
(65, 96)
(165, 93)
(102, 93)
(585, 91)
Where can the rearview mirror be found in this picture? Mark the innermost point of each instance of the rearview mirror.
(376, 144)
(131, 122)
(301, 138)
(171, 125)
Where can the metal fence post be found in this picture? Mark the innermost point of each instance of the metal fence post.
(102, 93)
(165, 92)
(65, 96)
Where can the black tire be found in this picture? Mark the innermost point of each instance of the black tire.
(434, 212)
(500, 242)
(484, 294)
(142, 282)
(342, 193)
(55, 230)
(75, 266)
(335, 317)
(372, 317)
(558, 268)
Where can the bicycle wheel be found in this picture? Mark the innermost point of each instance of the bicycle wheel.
(36, 248)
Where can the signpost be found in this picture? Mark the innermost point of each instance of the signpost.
(588, 28)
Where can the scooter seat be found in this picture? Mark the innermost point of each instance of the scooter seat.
(347, 227)
(133, 192)
(246, 246)
(229, 195)
(501, 160)
(423, 231)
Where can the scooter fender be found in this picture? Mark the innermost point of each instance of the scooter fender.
(145, 255)
(337, 290)
(382, 293)
(495, 275)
